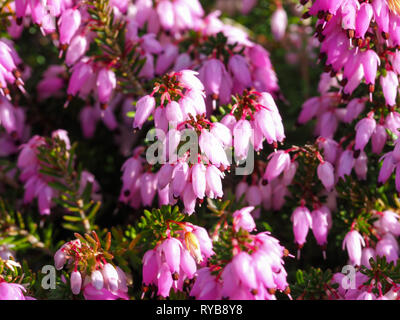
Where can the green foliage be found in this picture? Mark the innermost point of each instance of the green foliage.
(314, 284)
(154, 224)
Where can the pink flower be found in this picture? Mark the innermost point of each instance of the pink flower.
(149, 267)
(389, 222)
(387, 168)
(320, 224)
(364, 130)
(171, 249)
(242, 133)
(92, 293)
(370, 61)
(345, 164)
(354, 242)
(353, 109)
(279, 21)
(165, 12)
(367, 254)
(144, 108)
(97, 279)
(167, 57)
(173, 112)
(76, 50)
(325, 173)
(76, 282)
(106, 83)
(110, 276)
(213, 149)
(214, 183)
(240, 69)
(302, 222)
(11, 291)
(68, 24)
(244, 270)
(148, 188)
(199, 180)
(243, 219)
(364, 16)
(247, 5)
(279, 162)
(389, 84)
(211, 74)
(378, 139)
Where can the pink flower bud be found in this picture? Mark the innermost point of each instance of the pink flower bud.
(199, 180)
(110, 276)
(302, 222)
(81, 74)
(148, 188)
(173, 112)
(389, 84)
(59, 259)
(214, 183)
(387, 168)
(361, 166)
(389, 222)
(150, 267)
(189, 199)
(97, 279)
(240, 69)
(211, 74)
(309, 110)
(370, 61)
(388, 247)
(354, 242)
(76, 50)
(6, 59)
(364, 16)
(345, 164)
(68, 24)
(188, 264)
(167, 57)
(44, 200)
(320, 224)
(165, 280)
(76, 282)
(378, 139)
(144, 108)
(279, 162)
(279, 21)
(213, 149)
(381, 14)
(242, 133)
(222, 133)
(165, 175)
(247, 5)
(180, 176)
(254, 198)
(204, 240)
(265, 122)
(244, 270)
(366, 255)
(165, 12)
(326, 175)
(106, 83)
(171, 248)
(243, 219)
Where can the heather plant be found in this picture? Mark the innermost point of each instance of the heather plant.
(188, 149)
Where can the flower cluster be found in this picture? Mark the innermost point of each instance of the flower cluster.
(174, 260)
(91, 269)
(38, 175)
(255, 270)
